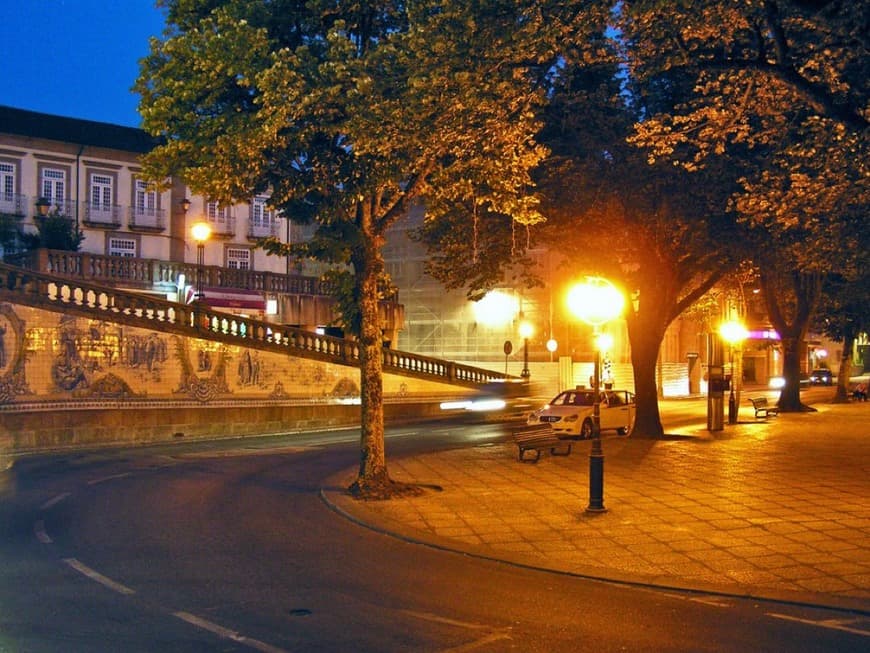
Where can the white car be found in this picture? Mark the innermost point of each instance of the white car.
(570, 412)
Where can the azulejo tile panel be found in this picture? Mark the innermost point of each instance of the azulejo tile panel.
(49, 358)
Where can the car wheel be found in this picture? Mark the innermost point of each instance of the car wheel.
(586, 429)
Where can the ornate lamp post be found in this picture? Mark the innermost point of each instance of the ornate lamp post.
(526, 331)
(596, 301)
(733, 333)
(201, 232)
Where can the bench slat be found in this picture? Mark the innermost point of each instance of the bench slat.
(762, 409)
(537, 437)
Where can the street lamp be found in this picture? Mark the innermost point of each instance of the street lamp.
(732, 332)
(552, 346)
(201, 232)
(526, 331)
(43, 204)
(596, 301)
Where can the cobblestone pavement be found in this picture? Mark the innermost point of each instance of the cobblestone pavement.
(773, 508)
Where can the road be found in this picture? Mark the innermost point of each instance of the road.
(229, 547)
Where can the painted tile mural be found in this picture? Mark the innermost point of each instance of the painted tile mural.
(46, 356)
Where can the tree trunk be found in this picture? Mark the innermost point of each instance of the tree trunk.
(373, 466)
(373, 481)
(844, 374)
(791, 300)
(790, 395)
(645, 344)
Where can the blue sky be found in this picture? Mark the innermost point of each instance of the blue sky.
(76, 58)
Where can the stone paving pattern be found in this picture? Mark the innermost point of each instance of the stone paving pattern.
(773, 508)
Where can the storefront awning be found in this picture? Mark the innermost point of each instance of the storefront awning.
(232, 298)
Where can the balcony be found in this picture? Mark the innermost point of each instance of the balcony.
(147, 219)
(66, 208)
(222, 226)
(257, 230)
(13, 203)
(101, 215)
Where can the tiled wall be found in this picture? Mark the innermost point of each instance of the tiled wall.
(51, 357)
(71, 381)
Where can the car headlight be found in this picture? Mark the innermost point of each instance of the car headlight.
(776, 382)
(487, 405)
(571, 418)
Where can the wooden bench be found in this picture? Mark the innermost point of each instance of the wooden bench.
(762, 409)
(537, 437)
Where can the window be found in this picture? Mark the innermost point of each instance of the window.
(7, 181)
(145, 200)
(239, 259)
(122, 247)
(101, 192)
(217, 213)
(261, 215)
(53, 184)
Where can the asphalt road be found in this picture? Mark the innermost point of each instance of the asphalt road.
(229, 547)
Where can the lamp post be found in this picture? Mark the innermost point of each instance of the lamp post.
(526, 331)
(732, 332)
(201, 232)
(596, 301)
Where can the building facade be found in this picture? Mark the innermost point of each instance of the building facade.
(89, 173)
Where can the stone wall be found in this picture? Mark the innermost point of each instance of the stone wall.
(67, 381)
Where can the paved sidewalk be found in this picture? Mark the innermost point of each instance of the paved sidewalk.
(772, 509)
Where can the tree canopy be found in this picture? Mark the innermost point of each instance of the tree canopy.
(781, 87)
(345, 113)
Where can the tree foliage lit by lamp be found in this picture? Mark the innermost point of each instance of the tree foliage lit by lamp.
(596, 301)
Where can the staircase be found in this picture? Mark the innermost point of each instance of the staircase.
(89, 300)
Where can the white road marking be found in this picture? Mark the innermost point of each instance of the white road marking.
(833, 624)
(54, 500)
(226, 633)
(39, 531)
(697, 599)
(108, 478)
(483, 641)
(494, 635)
(97, 576)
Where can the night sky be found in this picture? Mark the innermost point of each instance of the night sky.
(76, 58)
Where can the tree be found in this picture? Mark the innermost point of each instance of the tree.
(53, 231)
(663, 234)
(780, 86)
(844, 313)
(347, 113)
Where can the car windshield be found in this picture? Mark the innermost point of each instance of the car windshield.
(573, 398)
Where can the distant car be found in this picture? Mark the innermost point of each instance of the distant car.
(508, 399)
(821, 377)
(570, 412)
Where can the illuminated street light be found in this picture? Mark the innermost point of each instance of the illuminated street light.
(596, 302)
(201, 232)
(526, 331)
(733, 333)
(552, 346)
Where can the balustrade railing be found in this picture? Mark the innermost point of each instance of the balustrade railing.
(54, 293)
(155, 273)
(13, 203)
